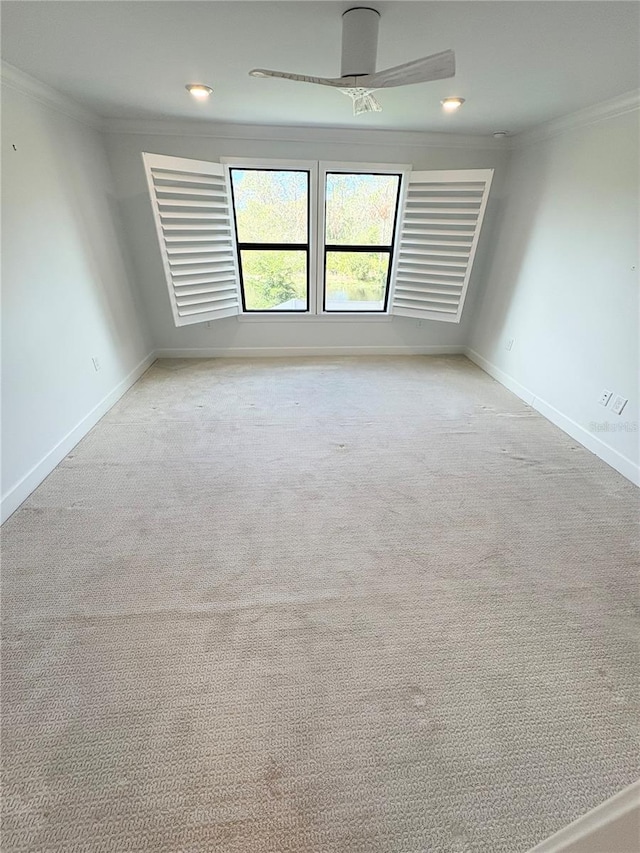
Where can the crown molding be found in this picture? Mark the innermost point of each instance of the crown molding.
(299, 133)
(605, 110)
(17, 80)
(22, 82)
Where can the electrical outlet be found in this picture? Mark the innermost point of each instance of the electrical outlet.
(509, 344)
(96, 364)
(618, 405)
(604, 398)
(418, 323)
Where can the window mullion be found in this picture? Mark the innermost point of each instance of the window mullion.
(347, 247)
(276, 247)
(318, 250)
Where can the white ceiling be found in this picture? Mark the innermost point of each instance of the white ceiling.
(518, 63)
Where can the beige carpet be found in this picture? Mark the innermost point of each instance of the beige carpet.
(322, 606)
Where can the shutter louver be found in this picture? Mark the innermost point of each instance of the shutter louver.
(195, 232)
(443, 215)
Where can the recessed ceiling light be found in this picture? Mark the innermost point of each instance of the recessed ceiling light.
(501, 134)
(257, 73)
(452, 104)
(199, 91)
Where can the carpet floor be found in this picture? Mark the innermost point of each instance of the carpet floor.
(371, 605)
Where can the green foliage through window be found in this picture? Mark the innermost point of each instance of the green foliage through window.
(273, 278)
(360, 211)
(270, 206)
(356, 277)
(272, 209)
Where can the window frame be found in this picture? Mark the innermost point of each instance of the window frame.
(252, 164)
(333, 168)
(317, 170)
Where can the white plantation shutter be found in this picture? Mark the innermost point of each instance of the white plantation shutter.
(442, 219)
(193, 222)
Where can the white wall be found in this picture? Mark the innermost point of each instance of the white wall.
(67, 292)
(233, 336)
(562, 282)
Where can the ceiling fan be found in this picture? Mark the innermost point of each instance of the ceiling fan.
(358, 77)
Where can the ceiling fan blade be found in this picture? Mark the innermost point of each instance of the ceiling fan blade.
(439, 66)
(302, 78)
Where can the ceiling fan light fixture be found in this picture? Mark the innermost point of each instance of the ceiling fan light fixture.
(363, 100)
(450, 105)
(199, 91)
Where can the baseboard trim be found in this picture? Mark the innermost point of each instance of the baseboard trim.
(577, 835)
(21, 491)
(284, 352)
(599, 448)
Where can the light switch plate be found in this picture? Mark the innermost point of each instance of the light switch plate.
(618, 405)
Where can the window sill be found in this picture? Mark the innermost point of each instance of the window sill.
(348, 316)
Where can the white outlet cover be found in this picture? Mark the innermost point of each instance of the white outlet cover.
(604, 398)
(509, 344)
(618, 405)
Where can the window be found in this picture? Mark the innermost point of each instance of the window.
(272, 232)
(303, 238)
(360, 211)
(276, 208)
